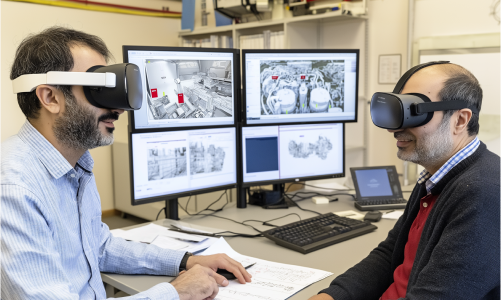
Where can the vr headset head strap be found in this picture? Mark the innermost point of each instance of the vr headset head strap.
(427, 107)
(403, 80)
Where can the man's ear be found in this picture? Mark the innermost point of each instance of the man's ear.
(462, 118)
(50, 98)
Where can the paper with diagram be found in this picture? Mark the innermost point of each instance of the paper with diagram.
(270, 280)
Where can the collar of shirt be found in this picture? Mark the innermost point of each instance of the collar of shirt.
(431, 181)
(50, 157)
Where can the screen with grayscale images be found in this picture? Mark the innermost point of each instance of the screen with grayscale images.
(292, 151)
(300, 87)
(173, 162)
(184, 89)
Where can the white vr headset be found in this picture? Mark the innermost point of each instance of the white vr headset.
(114, 86)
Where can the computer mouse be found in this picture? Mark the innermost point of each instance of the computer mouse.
(226, 274)
(373, 216)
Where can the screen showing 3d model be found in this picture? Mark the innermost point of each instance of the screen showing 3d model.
(184, 89)
(300, 87)
(292, 151)
(173, 162)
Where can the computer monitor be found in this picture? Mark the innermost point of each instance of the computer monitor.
(170, 164)
(185, 87)
(299, 86)
(288, 153)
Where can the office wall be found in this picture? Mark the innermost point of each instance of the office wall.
(387, 35)
(453, 17)
(20, 19)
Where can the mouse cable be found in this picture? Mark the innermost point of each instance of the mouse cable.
(267, 223)
(303, 209)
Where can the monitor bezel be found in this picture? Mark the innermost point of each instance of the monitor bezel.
(306, 51)
(236, 84)
(186, 193)
(292, 179)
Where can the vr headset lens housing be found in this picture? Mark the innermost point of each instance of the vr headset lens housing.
(115, 86)
(394, 111)
(127, 93)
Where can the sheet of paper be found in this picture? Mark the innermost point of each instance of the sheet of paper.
(170, 243)
(148, 233)
(270, 280)
(395, 215)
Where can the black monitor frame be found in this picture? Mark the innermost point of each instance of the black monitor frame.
(299, 51)
(236, 84)
(175, 196)
(285, 180)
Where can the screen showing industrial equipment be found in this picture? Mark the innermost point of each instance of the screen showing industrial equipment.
(170, 164)
(292, 152)
(300, 86)
(184, 89)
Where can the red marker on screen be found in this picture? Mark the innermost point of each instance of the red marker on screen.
(180, 98)
(154, 93)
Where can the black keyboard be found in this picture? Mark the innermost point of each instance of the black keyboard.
(381, 204)
(318, 232)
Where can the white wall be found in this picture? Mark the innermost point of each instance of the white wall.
(20, 19)
(453, 17)
(387, 35)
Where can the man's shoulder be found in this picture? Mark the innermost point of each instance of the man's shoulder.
(18, 161)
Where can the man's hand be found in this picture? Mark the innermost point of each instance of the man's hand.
(321, 297)
(198, 283)
(220, 261)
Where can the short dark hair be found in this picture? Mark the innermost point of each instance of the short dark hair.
(461, 84)
(50, 50)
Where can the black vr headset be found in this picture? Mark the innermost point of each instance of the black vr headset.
(115, 86)
(399, 111)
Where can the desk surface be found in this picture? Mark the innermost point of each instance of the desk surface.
(336, 258)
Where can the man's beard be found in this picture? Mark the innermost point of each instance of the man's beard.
(78, 128)
(431, 149)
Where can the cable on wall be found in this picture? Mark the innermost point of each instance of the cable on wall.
(106, 7)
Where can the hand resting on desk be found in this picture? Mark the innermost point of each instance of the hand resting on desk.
(221, 261)
(321, 297)
(198, 283)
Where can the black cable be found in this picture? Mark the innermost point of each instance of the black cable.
(160, 212)
(304, 209)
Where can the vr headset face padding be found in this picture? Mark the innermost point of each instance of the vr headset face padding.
(127, 93)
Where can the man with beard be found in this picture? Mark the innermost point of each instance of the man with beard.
(446, 244)
(54, 245)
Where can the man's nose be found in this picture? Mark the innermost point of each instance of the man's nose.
(394, 130)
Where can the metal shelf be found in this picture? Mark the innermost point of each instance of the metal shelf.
(330, 16)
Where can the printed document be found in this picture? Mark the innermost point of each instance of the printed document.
(270, 280)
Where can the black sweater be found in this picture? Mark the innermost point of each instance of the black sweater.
(458, 254)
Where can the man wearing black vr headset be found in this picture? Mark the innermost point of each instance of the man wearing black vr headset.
(54, 245)
(446, 244)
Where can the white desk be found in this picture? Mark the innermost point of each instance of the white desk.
(336, 258)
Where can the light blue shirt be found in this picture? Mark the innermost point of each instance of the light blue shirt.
(54, 245)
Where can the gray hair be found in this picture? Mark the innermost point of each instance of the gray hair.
(461, 85)
(50, 50)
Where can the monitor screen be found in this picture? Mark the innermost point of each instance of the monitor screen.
(170, 163)
(183, 88)
(300, 86)
(292, 152)
(373, 183)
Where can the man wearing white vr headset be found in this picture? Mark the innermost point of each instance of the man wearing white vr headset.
(446, 244)
(54, 245)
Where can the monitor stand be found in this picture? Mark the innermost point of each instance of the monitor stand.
(171, 209)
